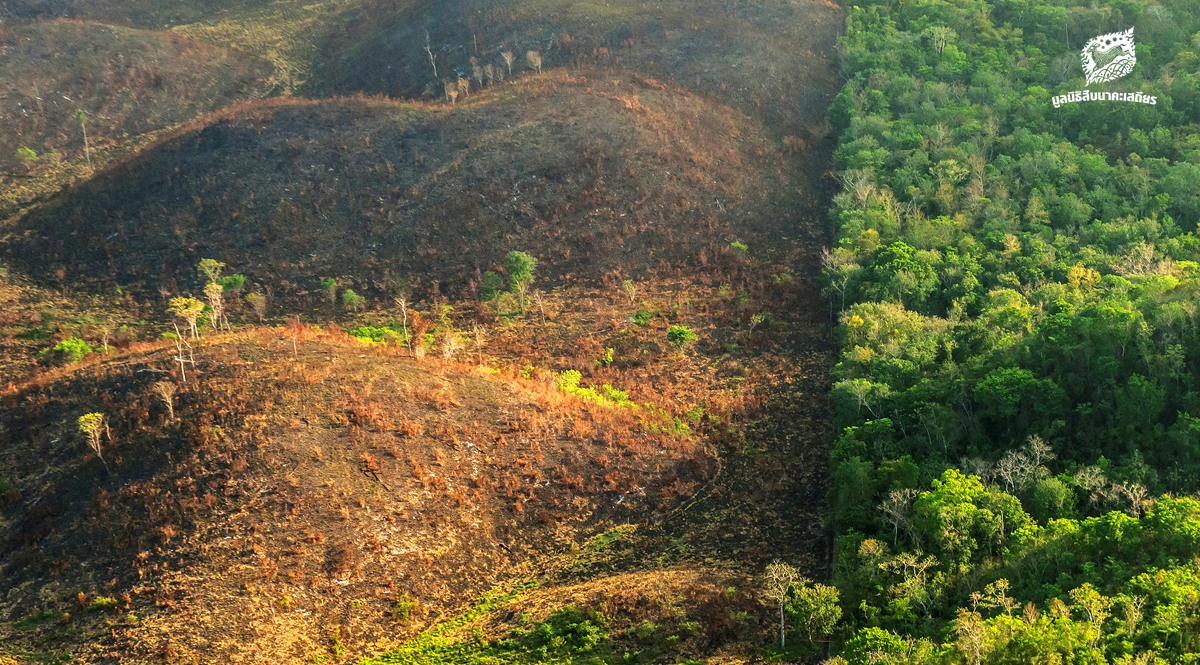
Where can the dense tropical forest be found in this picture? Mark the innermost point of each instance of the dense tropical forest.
(1016, 291)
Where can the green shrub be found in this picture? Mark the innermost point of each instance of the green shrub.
(645, 630)
(375, 335)
(643, 317)
(492, 286)
(521, 267)
(329, 286)
(102, 603)
(403, 610)
(568, 632)
(739, 247)
(72, 349)
(352, 300)
(679, 336)
(606, 358)
(232, 283)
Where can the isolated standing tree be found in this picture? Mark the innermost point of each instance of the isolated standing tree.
(166, 392)
(464, 87)
(93, 426)
(816, 609)
(352, 300)
(489, 72)
(329, 286)
(259, 302)
(508, 60)
(480, 337)
(105, 331)
(216, 300)
(451, 90)
(897, 510)
(780, 579)
(520, 274)
(211, 269)
(429, 51)
(631, 290)
(477, 73)
(535, 60)
(451, 345)
(402, 302)
(188, 309)
(81, 116)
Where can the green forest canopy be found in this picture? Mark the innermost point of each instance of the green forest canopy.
(1017, 392)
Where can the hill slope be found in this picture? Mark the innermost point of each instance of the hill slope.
(767, 58)
(129, 81)
(353, 479)
(580, 172)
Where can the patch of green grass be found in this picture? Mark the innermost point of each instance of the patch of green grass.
(72, 349)
(433, 646)
(609, 537)
(38, 657)
(102, 603)
(37, 619)
(379, 334)
(643, 317)
(569, 635)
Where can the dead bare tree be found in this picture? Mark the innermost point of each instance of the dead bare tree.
(972, 636)
(464, 87)
(215, 294)
(1139, 498)
(402, 302)
(508, 60)
(180, 342)
(1038, 451)
(429, 51)
(1016, 470)
(535, 60)
(897, 509)
(105, 333)
(480, 336)
(166, 392)
(451, 345)
(1092, 480)
(781, 577)
(541, 303)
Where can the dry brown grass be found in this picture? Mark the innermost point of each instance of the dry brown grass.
(344, 473)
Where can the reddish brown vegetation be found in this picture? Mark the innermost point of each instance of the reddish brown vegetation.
(341, 473)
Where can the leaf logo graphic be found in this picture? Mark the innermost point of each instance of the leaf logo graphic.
(1116, 50)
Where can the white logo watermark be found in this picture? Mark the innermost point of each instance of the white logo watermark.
(1121, 64)
(1107, 58)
